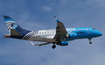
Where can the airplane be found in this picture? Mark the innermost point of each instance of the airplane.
(59, 36)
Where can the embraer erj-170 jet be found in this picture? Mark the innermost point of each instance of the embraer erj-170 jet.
(59, 36)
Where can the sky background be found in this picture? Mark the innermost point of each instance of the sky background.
(39, 15)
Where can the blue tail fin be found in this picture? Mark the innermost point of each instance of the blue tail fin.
(9, 22)
(13, 27)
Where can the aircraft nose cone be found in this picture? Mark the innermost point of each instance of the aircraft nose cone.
(98, 33)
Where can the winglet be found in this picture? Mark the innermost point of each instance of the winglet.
(56, 19)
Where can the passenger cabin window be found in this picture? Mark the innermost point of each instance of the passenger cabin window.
(82, 29)
(93, 28)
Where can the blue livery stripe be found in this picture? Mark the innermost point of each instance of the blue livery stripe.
(7, 18)
(14, 27)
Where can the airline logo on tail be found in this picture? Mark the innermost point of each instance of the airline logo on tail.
(9, 22)
(14, 28)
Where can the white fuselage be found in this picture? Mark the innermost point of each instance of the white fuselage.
(43, 35)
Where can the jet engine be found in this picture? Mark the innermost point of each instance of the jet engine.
(65, 43)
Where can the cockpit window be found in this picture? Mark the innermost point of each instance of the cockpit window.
(93, 28)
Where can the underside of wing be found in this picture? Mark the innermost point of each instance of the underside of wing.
(42, 44)
(60, 30)
(39, 44)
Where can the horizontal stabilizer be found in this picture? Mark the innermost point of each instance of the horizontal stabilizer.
(6, 36)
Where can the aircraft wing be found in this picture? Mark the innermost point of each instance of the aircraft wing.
(39, 44)
(60, 30)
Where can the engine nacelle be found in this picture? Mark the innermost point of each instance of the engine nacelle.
(64, 43)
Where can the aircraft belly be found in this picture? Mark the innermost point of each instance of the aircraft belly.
(42, 38)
